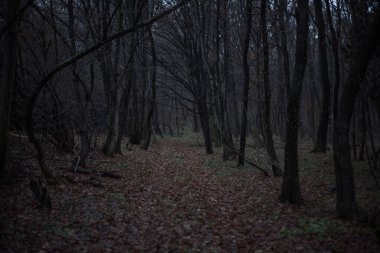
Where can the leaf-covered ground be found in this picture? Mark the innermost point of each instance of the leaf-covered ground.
(174, 198)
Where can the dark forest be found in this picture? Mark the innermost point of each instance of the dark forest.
(189, 126)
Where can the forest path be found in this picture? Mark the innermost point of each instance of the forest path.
(187, 201)
(174, 198)
(186, 205)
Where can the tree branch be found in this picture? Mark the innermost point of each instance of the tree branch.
(29, 112)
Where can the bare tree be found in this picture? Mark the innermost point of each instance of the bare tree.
(290, 191)
(152, 101)
(346, 200)
(320, 143)
(68, 62)
(8, 79)
(243, 131)
(266, 114)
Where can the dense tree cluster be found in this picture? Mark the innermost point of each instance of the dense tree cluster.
(74, 70)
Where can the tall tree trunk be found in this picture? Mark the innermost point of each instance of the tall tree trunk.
(244, 110)
(284, 45)
(120, 94)
(266, 114)
(290, 191)
(8, 81)
(147, 124)
(229, 151)
(285, 56)
(220, 85)
(335, 44)
(320, 143)
(83, 98)
(116, 111)
(346, 201)
(123, 97)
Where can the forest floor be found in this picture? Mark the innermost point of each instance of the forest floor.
(174, 198)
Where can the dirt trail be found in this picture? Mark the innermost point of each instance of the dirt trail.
(172, 198)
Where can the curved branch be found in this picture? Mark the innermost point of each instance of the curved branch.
(29, 112)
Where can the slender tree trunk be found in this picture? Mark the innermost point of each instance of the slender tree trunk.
(320, 143)
(244, 110)
(234, 107)
(110, 147)
(205, 122)
(370, 132)
(229, 151)
(221, 87)
(8, 81)
(156, 123)
(374, 94)
(266, 114)
(364, 132)
(285, 56)
(336, 56)
(120, 93)
(148, 125)
(290, 191)
(214, 124)
(354, 136)
(83, 98)
(346, 200)
(284, 45)
(117, 96)
(195, 119)
(126, 96)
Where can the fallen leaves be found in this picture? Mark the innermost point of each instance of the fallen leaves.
(175, 198)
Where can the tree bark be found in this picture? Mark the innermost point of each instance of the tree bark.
(151, 104)
(205, 122)
(83, 98)
(284, 45)
(221, 86)
(244, 110)
(320, 143)
(195, 119)
(156, 122)
(335, 44)
(363, 132)
(374, 94)
(266, 114)
(346, 205)
(290, 191)
(36, 92)
(115, 94)
(8, 81)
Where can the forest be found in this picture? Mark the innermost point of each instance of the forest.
(189, 126)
